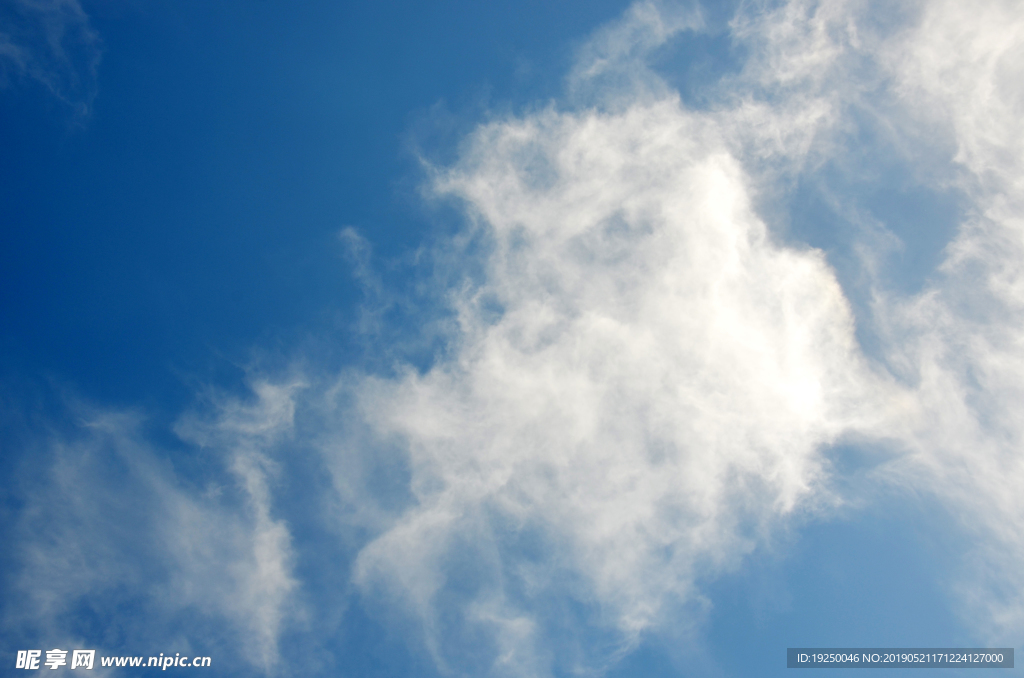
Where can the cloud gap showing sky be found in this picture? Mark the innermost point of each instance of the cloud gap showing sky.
(648, 380)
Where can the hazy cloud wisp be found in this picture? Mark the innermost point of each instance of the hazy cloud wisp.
(53, 43)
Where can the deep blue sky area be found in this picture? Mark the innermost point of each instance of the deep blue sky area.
(194, 212)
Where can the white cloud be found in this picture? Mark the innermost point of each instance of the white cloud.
(110, 526)
(960, 72)
(612, 67)
(260, 595)
(644, 380)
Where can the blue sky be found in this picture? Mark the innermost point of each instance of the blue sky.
(505, 339)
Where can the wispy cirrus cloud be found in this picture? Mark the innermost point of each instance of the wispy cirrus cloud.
(53, 43)
(116, 550)
(613, 66)
(960, 73)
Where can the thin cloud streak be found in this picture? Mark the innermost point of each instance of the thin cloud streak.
(961, 72)
(53, 43)
(110, 525)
